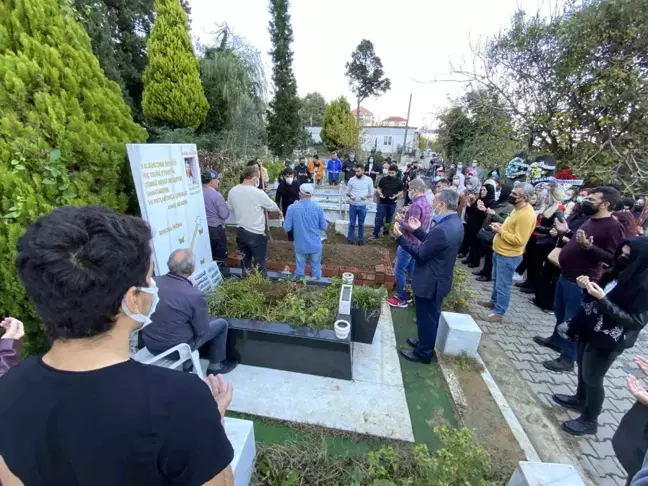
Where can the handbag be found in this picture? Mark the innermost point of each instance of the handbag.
(486, 236)
(553, 257)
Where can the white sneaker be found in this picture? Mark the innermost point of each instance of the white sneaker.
(517, 277)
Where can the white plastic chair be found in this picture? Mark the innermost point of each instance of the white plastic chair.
(185, 354)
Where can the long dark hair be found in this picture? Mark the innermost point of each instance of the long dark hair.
(628, 222)
(631, 292)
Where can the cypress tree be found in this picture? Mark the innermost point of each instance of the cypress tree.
(63, 126)
(173, 95)
(340, 130)
(284, 124)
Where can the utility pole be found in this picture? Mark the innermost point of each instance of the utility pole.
(409, 107)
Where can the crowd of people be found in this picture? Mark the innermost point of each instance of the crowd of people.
(88, 272)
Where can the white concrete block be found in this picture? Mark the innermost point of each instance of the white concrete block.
(457, 334)
(241, 435)
(538, 473)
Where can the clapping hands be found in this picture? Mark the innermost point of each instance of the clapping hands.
(14, 329)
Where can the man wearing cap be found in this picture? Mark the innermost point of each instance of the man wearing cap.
(217, 214)
(306, 220)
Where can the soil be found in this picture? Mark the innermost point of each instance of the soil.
(336, 251)
(485, 421)
(551, 444)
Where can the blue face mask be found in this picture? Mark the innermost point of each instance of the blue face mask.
(437, 178)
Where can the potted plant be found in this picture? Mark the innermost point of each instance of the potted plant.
(365, 312)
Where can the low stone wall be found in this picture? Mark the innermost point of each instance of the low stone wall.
(382, 275)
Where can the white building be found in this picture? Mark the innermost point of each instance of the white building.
(366, 117)
(388, 140)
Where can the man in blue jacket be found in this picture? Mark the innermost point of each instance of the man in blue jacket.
(433, 271)
(333, 168)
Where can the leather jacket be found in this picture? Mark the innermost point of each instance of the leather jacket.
(9, 354)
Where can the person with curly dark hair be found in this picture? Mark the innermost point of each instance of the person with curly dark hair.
(85, 413)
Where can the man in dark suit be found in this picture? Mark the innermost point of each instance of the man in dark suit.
(433, 270)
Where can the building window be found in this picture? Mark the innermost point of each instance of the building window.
(387, 140)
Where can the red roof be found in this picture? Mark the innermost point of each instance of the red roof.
(395, 119)
(363, 112)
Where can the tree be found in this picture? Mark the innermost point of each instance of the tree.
(340, 130)
(233, 79)
(63, 126)
(173, 94)
(312, 110)
(365, 73)
(283, 114)
(118, 32)
(576, 83)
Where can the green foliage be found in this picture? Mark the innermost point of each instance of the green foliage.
(173, 95)
(575, 86)
(255, 297)
(461, 461)
(340, 131)
(368, 298)
(365, 73)
(274, 168)
(312, 110)
(118, 32)
(283, 114)
(460, 293)
(477, 127)
(235, 86)
(63, 126)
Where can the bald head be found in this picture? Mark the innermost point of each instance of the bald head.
(181, 262)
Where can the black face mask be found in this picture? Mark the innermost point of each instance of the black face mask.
(621, 263)
(512, 199)
(588, 208)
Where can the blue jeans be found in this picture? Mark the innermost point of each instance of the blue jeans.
(359, 212)
(315, 261)
(386, 212)
(428, 312)
(404, 263)
(503, 269)
(567, 301)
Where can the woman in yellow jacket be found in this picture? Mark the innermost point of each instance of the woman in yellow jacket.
(316, 167)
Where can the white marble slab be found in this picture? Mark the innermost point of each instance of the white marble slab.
(241, 435)
(373, 403)
(540, 473)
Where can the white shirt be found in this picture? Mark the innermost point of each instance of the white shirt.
(247, 204)
(360, 189)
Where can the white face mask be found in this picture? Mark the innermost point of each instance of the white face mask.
(289, 180)
(385, 171)
(144, 319)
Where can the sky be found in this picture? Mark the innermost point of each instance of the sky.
(417, 40)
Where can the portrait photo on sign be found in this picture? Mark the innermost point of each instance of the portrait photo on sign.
(191, 170)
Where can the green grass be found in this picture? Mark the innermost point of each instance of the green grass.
(427, 399)
(337, 443)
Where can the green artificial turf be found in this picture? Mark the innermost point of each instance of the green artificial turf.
(338, 443)
(427, 399)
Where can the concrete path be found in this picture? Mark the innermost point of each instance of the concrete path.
(523, 321)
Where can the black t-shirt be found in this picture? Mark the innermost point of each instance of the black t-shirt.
(126, 424)
(389, 186)
(303, 174)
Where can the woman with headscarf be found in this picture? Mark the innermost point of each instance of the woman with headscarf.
(475, 216)
(610, 318)
(497, 214)
(546, 237)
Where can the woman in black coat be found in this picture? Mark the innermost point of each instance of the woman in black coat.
(608, 322)
(475, 216)
(546, 287)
